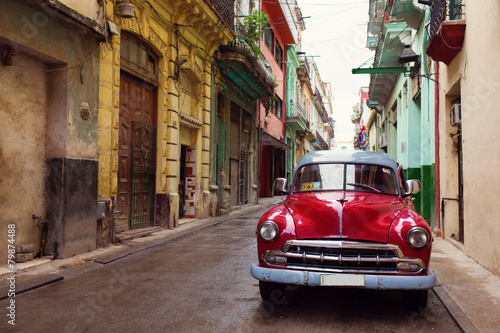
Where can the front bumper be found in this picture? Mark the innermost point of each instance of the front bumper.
(372, 281)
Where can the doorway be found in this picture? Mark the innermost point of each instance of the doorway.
(137, 152)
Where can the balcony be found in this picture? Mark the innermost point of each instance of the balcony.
(394, 36)
(321, 141)
(248, 72)
(224, 10)
(303, 71)
(296, 118)
(447, 28)
(322, 110)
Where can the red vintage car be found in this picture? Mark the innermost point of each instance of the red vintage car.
(347, 221)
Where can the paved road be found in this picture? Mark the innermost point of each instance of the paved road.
(201, 283)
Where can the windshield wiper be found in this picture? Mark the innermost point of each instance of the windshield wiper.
(364, 186)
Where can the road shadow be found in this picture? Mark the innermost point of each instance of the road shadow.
(321, 309)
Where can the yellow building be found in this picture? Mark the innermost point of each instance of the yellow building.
(156, 79)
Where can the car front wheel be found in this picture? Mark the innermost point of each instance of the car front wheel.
(415, 299)
(274, 292)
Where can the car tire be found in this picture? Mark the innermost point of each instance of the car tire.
(274, 292)
(415, 299)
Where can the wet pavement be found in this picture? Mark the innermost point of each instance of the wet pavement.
(196, 278)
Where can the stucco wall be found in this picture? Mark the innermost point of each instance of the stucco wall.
(22, 150)
(170, 45)
(474, 73)
(70, 76)
(480, 119)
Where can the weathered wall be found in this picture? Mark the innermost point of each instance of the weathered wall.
(155, 26)
(22, 150)
(473, 77)
(481, 156)
(67, 124)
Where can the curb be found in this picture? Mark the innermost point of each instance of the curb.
(460, 318)
(27, 285)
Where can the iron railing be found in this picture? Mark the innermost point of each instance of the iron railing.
(257, 63)
(321, 141)
(143, 168)
(225, 10)
(442, 10)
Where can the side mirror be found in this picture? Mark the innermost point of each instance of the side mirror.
(412, 187)
(281, 185)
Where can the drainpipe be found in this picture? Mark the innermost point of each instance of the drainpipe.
(438, 230)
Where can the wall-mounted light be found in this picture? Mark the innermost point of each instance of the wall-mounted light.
(126, 8)
(409, 59)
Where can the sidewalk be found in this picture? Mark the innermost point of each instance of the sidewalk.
(470, 292)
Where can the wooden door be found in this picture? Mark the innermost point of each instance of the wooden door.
(137, 125)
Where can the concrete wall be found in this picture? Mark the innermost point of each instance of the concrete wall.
(474, 75)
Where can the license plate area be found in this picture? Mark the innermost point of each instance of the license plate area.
(342, 280)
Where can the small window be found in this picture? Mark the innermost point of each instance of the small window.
(278, 107)
(278, 53)
(269, 38)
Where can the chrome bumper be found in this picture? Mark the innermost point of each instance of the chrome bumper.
(372, 281)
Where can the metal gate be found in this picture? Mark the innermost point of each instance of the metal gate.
(244, 181)
(143, 170)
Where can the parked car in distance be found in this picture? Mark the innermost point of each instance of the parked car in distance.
(347, 221)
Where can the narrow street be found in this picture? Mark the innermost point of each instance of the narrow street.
(200, 282)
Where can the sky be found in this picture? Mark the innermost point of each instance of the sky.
(336, 33)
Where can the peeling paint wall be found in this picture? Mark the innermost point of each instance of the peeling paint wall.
(54, 71)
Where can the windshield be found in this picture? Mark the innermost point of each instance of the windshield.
(352, 177)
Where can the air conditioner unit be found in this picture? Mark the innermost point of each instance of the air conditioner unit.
(383, 140)
(456, 115)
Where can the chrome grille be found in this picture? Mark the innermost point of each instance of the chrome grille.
(341, 256)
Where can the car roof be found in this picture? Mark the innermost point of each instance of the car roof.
(355, 156)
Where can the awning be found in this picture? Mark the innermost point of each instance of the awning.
(268, 139)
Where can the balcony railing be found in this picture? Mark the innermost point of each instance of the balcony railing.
(321, 141)
(297, 112)
(225, 10)
(442, 10)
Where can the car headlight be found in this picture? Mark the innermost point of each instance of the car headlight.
(268, 231)
(418, 237)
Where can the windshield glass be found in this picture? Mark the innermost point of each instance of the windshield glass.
(352, 177)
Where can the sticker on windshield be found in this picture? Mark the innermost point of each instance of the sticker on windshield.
(310, 186)
(385, 170)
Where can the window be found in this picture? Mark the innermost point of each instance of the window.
(273, 45)
(353, 177)
(269, 38)
(278, 53)
(278, 107)
(137, 58)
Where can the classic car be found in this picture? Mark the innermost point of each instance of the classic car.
(348, 220)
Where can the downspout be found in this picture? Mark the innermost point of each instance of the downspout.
(438, 230)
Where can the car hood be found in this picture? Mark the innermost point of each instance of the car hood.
(362, 216)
